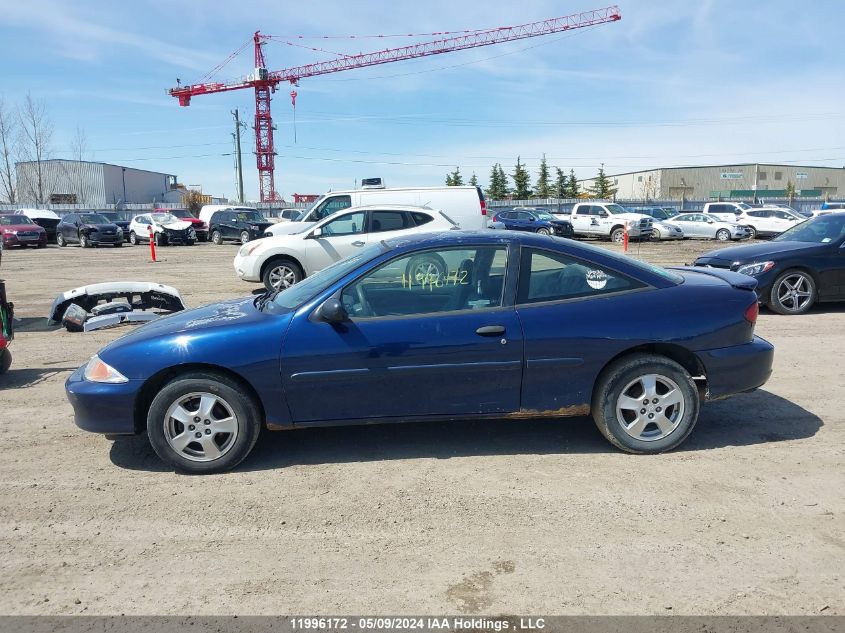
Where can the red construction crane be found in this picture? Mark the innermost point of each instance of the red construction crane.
(264, 82)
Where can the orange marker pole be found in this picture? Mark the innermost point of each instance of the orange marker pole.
(153, 243)
(625, 240)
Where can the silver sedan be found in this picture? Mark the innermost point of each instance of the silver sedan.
(706, 227)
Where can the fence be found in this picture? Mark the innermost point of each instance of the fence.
(566, 204)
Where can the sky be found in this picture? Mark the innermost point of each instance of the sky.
(672, 83)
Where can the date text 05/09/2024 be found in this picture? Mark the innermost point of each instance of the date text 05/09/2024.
(423, 623)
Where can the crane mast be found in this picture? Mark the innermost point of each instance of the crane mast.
(265, 82)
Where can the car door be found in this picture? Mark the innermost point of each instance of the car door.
(585, 220)
(430, 346)
(140, 224)
(70, 228)
(333, 239)
(228, 225)
(567, 307)
(688, 225)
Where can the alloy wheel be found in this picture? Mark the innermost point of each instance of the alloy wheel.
(201, 426)
(794, 292)
(282, 276)
(650, 407)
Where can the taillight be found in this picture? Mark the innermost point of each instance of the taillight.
(751, 313)
(483, 206)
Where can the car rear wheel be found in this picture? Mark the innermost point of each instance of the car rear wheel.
(244, 237)
(723, 235)
(133, 239)
(60, 240)
(203, 423)
(281, 274)
(645, 403)
(794, 292)
(5, 360)
(217, 237)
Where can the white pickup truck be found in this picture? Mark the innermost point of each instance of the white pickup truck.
(607, 219)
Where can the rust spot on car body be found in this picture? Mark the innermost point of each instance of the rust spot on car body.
(570, 411)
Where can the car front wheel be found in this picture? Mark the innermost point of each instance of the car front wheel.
(5, 360)
(544, 231)
(83, 241)
(645, 403)
(203, 423)
(281, 274)
(244, 237)
(723, 235)
(794, 292)
(60, 240)
(618, 235)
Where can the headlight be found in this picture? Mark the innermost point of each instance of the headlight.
(98, 371)
(191, 233)
(13, 232)
(757, 268)
(249, 248)
(119, 231)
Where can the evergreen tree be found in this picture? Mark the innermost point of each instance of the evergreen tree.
(544, 187)
(455, 179)
(602, 187)
(498, 187)
(521, 181)
(503, 182)
(572, 189)
(790, 190)
(473, 181)
(560, 187)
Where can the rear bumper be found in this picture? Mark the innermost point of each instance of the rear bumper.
(737, 369)
(102, 408)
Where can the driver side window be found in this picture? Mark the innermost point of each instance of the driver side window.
(348, 224)
(332, 206)
(445, 280)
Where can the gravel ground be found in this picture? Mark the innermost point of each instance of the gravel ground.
(494, 517)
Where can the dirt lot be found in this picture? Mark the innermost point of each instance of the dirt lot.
(503, 517)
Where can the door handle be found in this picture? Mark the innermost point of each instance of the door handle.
(490, 330)
(358, 243)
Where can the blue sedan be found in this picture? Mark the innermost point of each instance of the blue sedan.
(535, 221)
(516, 325)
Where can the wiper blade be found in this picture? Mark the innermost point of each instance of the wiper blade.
(266, 297)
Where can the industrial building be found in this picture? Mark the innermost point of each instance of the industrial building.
(91, 184)
(745, 180)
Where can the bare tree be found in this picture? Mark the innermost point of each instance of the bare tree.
(79, 153)
(36, 137)
(9, 145)
(649, 188)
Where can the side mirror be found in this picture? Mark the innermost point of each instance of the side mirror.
(316, 233)
(603, 214)
(332, 311)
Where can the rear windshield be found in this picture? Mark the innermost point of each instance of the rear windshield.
(630, 261)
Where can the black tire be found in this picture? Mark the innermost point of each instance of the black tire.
(118, 245)
(783, 301)
(655, 233)
(244, 237)
(723, 235)
(202, 238)
(84, 242)
(5, 360)
(44, 245)
(60, 240)
(622, 376)
(544, 231)
(190, 242)
(275, 270)
(133, 239)
(245, 409)
(217, 237)
(753, 235)
(617, 235)
(160, 239)
(426, 264)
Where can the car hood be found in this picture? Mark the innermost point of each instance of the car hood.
(667, 224)
(631, 216)
(752, 252)
(100, 227)
(21, 227)
(179, 225)
(183, 325)
(288, 228)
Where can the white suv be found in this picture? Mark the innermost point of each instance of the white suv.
(769, 221)
(283, 260)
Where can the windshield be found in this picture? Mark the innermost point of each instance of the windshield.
(544, 216)
(181, 213)
(298, 294)
(250, 216)
(164, 218)
(614, 209)
(93, 218)
(9, 220)
(744, 206)
(820, 230)
(670, 213)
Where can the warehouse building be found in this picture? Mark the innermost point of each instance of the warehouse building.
(728, 181)
(88, 183)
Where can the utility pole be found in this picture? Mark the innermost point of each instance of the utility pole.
(238, 163)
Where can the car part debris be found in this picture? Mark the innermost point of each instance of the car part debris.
(7, 313)
(74, 318)
(118, 318)
(139, 295)
(112, 307)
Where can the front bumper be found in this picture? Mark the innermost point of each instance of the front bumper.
(247, 268)
(100, 407)
(98, 239)
(13, 240)
(737, 369)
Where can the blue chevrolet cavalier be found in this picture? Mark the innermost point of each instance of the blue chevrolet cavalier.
(457, 325)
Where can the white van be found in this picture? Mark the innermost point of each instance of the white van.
(210, 209)
(465, 205)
